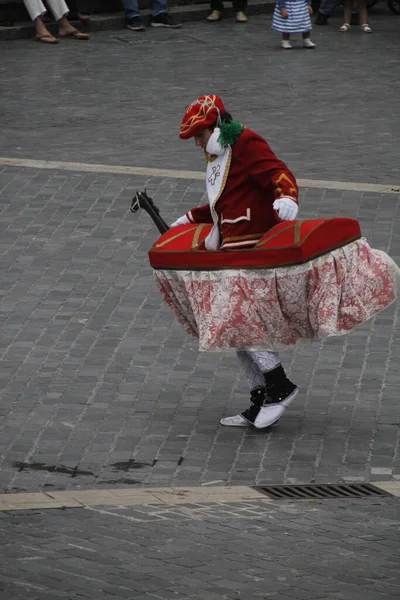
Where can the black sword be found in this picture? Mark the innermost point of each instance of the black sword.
(142, 200)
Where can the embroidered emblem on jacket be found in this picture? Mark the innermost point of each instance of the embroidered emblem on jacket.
(216, 172)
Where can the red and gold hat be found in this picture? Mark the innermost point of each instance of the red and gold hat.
(202, 113)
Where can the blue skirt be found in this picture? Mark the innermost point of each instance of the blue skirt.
(299, 20)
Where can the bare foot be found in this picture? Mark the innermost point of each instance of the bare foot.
(46, 38)
(74, 33)
(66, 30)
(43, 34)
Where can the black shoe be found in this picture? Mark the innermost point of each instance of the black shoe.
(165, 20)
(278, 387)
(258, 397)
(135, 24)
(268, 404)
(321, 19)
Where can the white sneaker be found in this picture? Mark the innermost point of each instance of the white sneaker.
(239, 421)
(269, 414)
(262, 411)
(236, 421)
(307, 43)
(286, 45)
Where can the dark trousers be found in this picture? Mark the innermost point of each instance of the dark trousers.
(238, 5)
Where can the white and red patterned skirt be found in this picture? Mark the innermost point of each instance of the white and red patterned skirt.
(277, 308)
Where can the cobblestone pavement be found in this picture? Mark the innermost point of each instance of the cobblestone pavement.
(100, 386)
(329, 550)
(331, 113)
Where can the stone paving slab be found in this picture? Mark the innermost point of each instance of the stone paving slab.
(100, 387)
(326, 550)
(127, 497)
(330, 113)
(102, 393)
(165, 496)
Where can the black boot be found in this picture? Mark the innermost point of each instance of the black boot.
(279, 393)
(278, 387)
(267, 403)
(278, 390)
(258, 397)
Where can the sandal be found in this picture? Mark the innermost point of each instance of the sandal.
(366, 28)
(76, 35)
(345, 27)
(46, 38)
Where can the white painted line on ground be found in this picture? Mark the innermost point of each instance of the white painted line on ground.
(97, 168)
(350, 186)
(178, 174)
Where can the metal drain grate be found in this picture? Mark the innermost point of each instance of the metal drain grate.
(321, 491)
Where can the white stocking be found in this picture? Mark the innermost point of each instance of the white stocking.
(265, 361)
(254, 364)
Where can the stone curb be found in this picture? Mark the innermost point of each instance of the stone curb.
(128, 497)
(145, 496)
(103, 22)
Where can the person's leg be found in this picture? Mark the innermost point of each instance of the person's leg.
(36, 10)
(216, 10)
(348, 6)
(239, 6)
(279, 390)
(251, 370)
(255, 380)
(326, 7)
(307, 43)
(286, 45)
(363, 15)
(159, 7)
(270, 390)
(131, 8)
(160, 16)
(217, 5)
(265, 361)
(132, 15)
(325, 11)
(60, 10)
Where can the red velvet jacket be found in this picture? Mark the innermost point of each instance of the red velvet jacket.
(256, 179)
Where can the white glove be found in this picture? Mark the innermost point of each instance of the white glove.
(286, 208)
(181, 221)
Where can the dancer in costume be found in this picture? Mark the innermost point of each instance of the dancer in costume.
(231, 289)
(249, 190)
